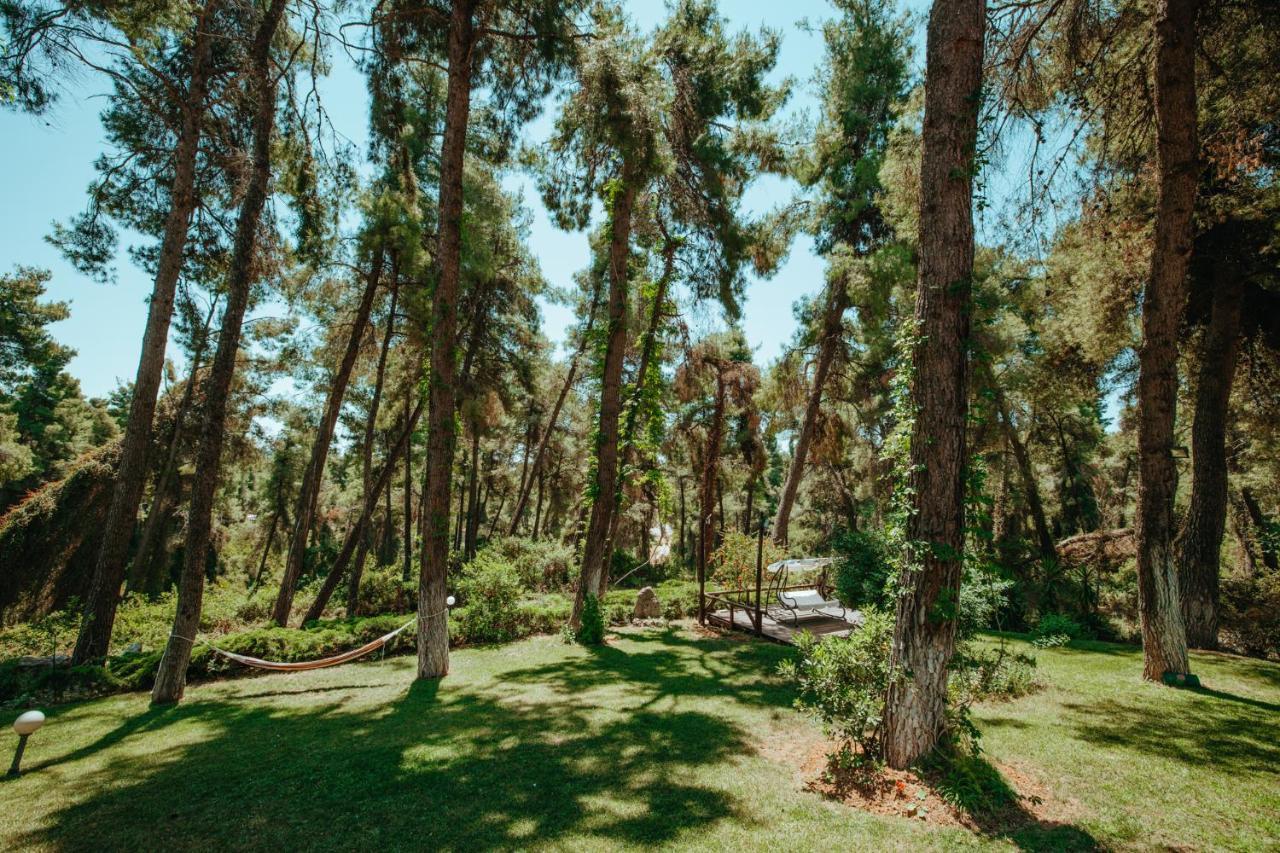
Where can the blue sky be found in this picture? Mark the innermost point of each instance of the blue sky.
(50, 163)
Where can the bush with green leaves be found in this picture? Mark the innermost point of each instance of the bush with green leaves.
(544, 565)
(1057, 629)
(490, 589)
(1250, 614)
(980, 674)
(861, 569)
(842, 682)
(384, 590)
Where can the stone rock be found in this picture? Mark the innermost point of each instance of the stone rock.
(647, 604)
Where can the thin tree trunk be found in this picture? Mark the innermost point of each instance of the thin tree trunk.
(1164, 639)
(433, 627)
(832, 329)
(370, 431)
(604, 490)
(171, 677)
(925, 626)
(266, 550)
(1048, 550)
(122, 516)
(537, 507)
(143, 573)
(710, 469)
(1200, 541)
(1259, 522)
(473, 497)
(407, 572)
(309, 494)
(357, 530)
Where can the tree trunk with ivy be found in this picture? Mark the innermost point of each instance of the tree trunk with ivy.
(928, 597)
(604, 486)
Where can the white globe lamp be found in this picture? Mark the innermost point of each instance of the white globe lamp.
(26, 725)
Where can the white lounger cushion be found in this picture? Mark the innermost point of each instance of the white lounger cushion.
(805, 599)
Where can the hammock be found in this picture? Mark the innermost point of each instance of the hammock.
(303, 666)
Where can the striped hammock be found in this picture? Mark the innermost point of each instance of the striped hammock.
(303, 666)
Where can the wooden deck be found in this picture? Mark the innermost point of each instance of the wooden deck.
(785, 631)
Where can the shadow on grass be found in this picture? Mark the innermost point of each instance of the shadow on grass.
(977, 788)
(1196, 727)
(446, 766)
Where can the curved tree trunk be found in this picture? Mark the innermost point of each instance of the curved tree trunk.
(832, 328)
(370, 428)
(309, 494)
(433, 626)
(1164, 640)
(595, 557)
(925, 629)
(1200, 540)
(109, 570)
(171, 678)
(359, 530)
(1025, 473)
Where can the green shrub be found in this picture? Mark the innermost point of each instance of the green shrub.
(1057, 629)
(543, 565)
(591, 631)
(1250, 614)
(990, 674)
(383, 590)
(490, 589)
(861, 569)
(843, 682)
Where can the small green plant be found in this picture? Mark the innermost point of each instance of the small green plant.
(591, 630)
(843, 682)
(1057, 629)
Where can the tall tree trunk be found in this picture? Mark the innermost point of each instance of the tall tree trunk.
(370, 429)
(171, 678)
(357, 531)
(309, 494)
(407, 571)
(1200, 540)
(710, 470)
(1164, 639)
(925, 627)
(109, 568)
(604, 491)
(433, 626)
(832, 329)
(266, 550)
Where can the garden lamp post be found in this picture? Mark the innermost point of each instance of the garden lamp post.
(26, 725)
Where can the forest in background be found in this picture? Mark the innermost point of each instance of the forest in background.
(938, 421)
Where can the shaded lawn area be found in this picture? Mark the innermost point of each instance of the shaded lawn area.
(662, 739)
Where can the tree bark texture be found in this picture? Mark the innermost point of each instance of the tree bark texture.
(442, 439)
(1164, 640)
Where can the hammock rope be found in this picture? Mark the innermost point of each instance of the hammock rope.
(304, 666)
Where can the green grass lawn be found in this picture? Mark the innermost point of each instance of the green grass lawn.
(661, 739)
